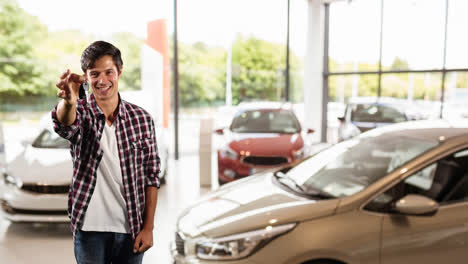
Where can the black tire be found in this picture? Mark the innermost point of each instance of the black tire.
(221, 182)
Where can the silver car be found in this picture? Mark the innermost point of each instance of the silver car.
(396, 194)
(363, 114)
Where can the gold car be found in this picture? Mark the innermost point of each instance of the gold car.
(396, 194)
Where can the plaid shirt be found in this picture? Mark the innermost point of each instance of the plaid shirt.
(139, 160)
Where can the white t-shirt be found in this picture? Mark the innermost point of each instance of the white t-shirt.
(107, 211)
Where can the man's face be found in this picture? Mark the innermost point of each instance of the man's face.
(103, 79)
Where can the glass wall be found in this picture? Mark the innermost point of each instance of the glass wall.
(297, 49)
(412, 86)
(411, 46)
(39, 43)
(456, 95)
(342, 87)
(413, 34)
(457, 39)
(354, 36)
(232, 38)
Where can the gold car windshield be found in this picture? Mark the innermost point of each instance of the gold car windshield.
(352, 165)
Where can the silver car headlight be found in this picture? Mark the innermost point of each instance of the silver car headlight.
(9, 180)
(239, 245)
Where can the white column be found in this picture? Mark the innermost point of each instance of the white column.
(205, 152)
(313, 80)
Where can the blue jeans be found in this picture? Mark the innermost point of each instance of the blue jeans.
(104, 248)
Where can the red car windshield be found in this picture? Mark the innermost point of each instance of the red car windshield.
(264, 121)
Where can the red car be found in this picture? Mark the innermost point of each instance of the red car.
(261, 136)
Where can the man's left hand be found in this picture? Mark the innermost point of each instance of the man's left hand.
(143, 241)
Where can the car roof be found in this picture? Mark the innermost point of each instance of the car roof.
(433, 130)
(264, 105)
(377, 100)
(396, 103)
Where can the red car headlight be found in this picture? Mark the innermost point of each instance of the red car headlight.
(227, 152)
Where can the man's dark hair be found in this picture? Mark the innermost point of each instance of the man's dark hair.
(97, 50)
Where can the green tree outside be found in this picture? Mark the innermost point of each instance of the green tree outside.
(258, 70)
(202, 74)
(20, 70)
(130, 47)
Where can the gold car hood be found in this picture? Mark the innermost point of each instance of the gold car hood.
(250, 204)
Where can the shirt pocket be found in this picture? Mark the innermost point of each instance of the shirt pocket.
(141, 150)
(141, 145)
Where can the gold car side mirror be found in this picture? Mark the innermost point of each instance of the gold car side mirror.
(413, 204)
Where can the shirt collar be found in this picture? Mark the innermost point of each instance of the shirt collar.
(97, 111)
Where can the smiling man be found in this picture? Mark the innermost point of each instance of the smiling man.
(113, 195)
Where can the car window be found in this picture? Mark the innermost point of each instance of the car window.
(365, 113)
(422, 179)
(459, 192)
(352, 165)
(376, 114)
(50, 139)
(391, 115)
(264, 121)
(445, 181)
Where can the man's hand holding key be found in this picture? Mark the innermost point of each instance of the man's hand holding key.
(69, 85)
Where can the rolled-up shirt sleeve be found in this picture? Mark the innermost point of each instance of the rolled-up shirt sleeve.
(68, 132)
(153, 161)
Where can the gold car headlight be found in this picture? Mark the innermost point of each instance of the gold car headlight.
(239, 245)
